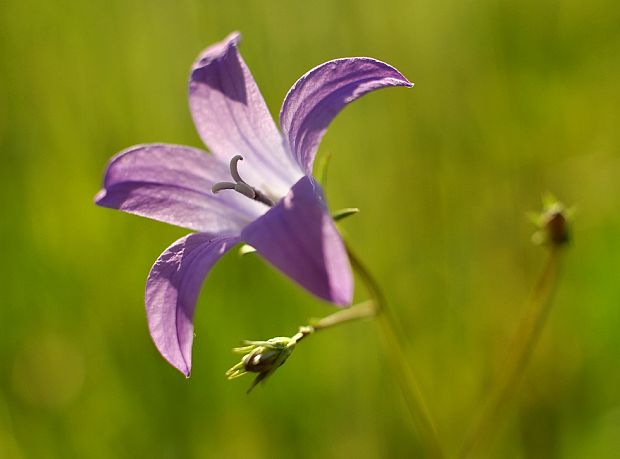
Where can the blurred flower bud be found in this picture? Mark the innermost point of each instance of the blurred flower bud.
(552, 223)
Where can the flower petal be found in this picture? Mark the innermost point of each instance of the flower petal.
(171, 291)
(318, 96)
(232, 118)
(299, 237)
(172, 183)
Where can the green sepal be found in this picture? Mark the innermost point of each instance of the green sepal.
(321, 168)
(344, 213)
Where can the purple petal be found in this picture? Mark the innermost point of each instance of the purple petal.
(172, 183)
(299, 237)
(317, 97)
(232, 118)
(171, 291)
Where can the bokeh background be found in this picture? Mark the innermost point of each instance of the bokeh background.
(512, 99)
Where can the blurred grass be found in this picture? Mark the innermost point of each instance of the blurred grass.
(511, 99)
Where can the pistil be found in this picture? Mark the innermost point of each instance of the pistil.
(240, 186)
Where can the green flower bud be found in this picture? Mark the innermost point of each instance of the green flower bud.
(552, 223)
(262, 357)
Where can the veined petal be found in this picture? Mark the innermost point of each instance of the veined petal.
(232, 118)
(318, 96)
(299, 237)
(172, 289)
(172, 183)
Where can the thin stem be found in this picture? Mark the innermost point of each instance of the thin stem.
(377, 306)
(356, 312)
(398, 360)
(521, 350)
(359, 311)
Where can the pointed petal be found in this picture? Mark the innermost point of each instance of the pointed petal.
(232, 118)
(299, 238)
(172, 183)
(318, 96)
(171, 291)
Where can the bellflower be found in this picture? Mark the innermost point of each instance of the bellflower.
(256, 186)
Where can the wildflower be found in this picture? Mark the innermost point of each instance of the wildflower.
(256, 187)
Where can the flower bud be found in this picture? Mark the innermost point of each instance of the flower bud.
(552, 223)
(262, 357)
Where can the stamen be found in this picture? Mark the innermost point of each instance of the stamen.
(240, 186)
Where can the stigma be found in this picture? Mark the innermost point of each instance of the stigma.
(240, 186)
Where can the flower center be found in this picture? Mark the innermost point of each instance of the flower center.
(240, 186)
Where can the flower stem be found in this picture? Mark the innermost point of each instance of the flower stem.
(523, 344)
(377, 307)
(358, 311)
(398, 360)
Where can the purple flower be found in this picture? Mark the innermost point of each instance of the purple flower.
(269, 200)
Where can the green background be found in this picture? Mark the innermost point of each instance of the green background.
(512, 99)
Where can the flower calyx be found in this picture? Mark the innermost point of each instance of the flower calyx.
(262, 357)
(265, 357)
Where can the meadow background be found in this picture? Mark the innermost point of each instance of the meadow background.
(512, 99)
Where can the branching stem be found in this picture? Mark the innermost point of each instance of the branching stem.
(377, 307)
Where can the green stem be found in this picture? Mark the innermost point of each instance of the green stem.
(359, 311)
(523, 344)
(356, 312)
(398, 360)
(407, 381)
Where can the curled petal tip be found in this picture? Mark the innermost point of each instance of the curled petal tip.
(179, 362)
(400, 79)
(217, 50)
(182, 367)
(234, 37)
(319, 95)
(100, 196)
